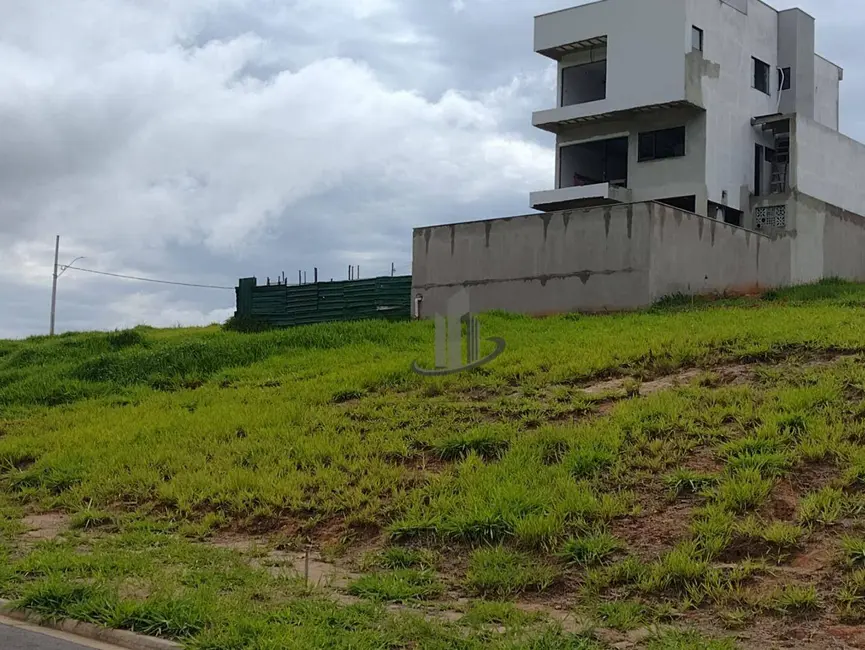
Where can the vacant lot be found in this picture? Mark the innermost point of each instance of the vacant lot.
(689, 477)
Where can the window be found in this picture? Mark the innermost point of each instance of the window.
(784, 78)
(657, 145)
(761, 76)
(584, 83)
(696, 39)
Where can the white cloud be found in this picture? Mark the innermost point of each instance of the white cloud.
(159, 310)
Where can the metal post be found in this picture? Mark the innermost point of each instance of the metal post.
(392, 269)
(54, 284)
(304, 277)
(315, 274)
(358, 272)
(298, 277)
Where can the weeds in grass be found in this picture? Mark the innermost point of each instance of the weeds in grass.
(687, 640)
(854, 551)
(398, 586)
(590, 549)
(498, 571)
(400, 557)
(776, 536)
(489, 443)
(488, 612)
(622, 615)
(680, 567)
(851, 597)
(685, 481)
(824, 507)
(743, 491)
(794, 599)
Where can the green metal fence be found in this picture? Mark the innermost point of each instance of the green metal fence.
(283, 305)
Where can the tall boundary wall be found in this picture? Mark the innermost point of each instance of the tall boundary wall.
(622, 257)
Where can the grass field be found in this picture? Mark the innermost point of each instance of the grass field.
(688, 477)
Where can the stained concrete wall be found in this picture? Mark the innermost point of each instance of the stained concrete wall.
(827, 93)
(696, 255)
(829, 166)
(842, 250)
(580, 260)
(596, 259)
(628, 256)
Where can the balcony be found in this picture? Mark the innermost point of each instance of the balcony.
(590, 173)
(582, 196)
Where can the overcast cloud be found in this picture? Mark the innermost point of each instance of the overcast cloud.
(206, 140)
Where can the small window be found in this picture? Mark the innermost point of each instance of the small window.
(761, 76)
(785, 80)
(658, 145)
(696, 39)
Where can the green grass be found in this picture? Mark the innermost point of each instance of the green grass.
(399, 586)
(500, 572)
(686, 481)
(795, 599)
(590, 549)
(507, 482)
(688, 640)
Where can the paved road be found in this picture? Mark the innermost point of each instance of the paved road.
(22, 636)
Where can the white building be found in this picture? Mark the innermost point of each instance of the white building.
(718, 107)
(697, 151)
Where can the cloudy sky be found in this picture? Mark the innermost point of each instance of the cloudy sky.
(206, 140)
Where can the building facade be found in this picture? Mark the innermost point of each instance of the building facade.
(697, 150)
(718, 107)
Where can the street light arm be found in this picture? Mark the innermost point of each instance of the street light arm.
(66, 266)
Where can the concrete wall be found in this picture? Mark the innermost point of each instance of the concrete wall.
(722, 77)
(580, 260)
(841, 233)
(827, 89)
(796, 51)
(696, 255)
(645, 53)
(829, 166)
(596, 259)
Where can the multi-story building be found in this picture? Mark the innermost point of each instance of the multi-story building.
(718, 107)
(697, 150)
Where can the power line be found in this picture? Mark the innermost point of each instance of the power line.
(132, 277)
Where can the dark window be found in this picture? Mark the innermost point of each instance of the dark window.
(758, 169)
(657, 145)
(686, 203)
(696, 39)
(784, 78)
(761, 76)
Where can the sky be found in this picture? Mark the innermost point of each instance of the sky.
(201, 141)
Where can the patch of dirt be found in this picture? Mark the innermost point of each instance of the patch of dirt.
(783, 502)
(656, 530)
(813, 560)
(703, 460)
(312, 567)
(851, 635)
(668, 382)
(811, 477)
(45, 526)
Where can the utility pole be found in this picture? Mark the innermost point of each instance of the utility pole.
(54, 284)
